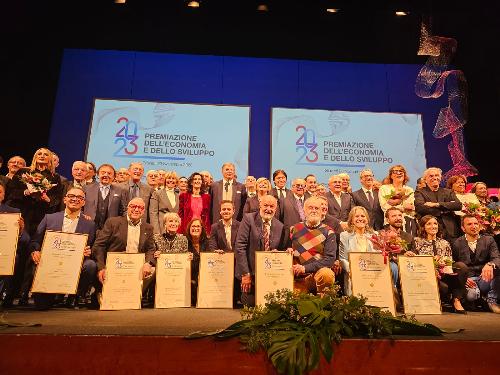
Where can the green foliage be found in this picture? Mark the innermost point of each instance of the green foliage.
(296, 329)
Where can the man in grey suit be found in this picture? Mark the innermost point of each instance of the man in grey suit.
(480, 255)
(136, 189)
(162, 201)
(130, 234)
(258, 231)
(227, 189)
(79, 172)
(339, 203)
(368, 198)
(103, 199)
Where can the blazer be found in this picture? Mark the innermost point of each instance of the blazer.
(376, 214)
(159, 204)
(113, 237)
(340, 212)
(55, 222)
(290, 212)
(249, 239)
(251, 205)
(239, 198)
(186, 213)
(348, 244)
(145, 192)
(217, 240)
(118, 200)
(274, 192)
(486, 251)
(448, 202)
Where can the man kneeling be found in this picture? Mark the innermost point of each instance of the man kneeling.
(314, 249)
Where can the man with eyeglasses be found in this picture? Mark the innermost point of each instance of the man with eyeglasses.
(13, 165)
(137, 189)
(129, 234)
(70, 220)
(339, 202)
(79, 171)
(292, 207)
(367, 197)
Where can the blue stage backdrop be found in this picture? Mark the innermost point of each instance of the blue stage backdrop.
(260, 83)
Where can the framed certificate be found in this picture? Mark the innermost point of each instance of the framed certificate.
(122, 288)
(273, 271)
(173, 280)
(419, 285)
(371, 278)
(216, 281)
(9, 235)
(60, 263)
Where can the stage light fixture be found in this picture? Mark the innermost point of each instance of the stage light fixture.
(120, 1)
(401, 13)
(194, 4)
(263, 8)
(332, 10)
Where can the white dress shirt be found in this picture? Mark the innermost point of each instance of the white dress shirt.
(133, 234)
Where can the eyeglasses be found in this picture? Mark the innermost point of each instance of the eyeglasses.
(299, 185)
(136, 207)
(76, 197)
(398, 171)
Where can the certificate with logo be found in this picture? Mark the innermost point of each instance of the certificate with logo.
(419, 285)
(372, 279)
(9, 234)
(60, 263)
(122, 288)
(173, 280)
(273, 271)
(216, 281)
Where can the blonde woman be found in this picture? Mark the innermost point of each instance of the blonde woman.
(263, 187)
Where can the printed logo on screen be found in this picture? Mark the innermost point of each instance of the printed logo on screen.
(306, 145)
(126, 137)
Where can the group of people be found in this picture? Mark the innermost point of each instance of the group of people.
(318, 225)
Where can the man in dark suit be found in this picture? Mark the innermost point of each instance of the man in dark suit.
(103, 199)
(480, 254)
(368, 198)
(280, 190)
(339, 203)
(258, 231)
(70, 220)
(79, 172)
(438, 202)
(9, 285)
(292, 207)
(136, 189)
(129, 234)
(311, 185)
(227, 189)
(223, 233)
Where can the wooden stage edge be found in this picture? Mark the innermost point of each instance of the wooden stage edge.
(62, 354)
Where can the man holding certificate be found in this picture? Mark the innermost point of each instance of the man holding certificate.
(257, 231)
(70, 220)
(130, 234)
(314, 249)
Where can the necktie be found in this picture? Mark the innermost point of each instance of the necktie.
(282, 193)
(104, 191)
(370, 197)
(226, 186)
(300, 208)
(265, 236)
(227, 229)
(135, 191)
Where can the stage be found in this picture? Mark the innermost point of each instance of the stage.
(151, 340)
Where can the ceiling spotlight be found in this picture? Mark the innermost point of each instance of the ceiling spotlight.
(194, 4)
(263, 8)
(402, 13)
(332, 10)
(120, 1)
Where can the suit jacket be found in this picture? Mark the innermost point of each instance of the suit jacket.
(486, 251)
(217, 240)
(55, 222)
(239, 198)
(113, 238)
(290, 212)
(186, 213)
(117, 205)
(274, 192)
(340, 212)
(145, 192)
(4, 180)
(448, 202)
(249, 239)
(159, 204)
(375, 212)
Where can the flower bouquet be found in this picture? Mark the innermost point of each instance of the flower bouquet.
(398, 194)
(488, 219)
(37, 184)
(443, 265)
(389, 243)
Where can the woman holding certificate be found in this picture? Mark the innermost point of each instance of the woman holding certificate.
(197, 242)
(357, 239)
(36, 190)
(395, 193)
(451, 276)
(170, 241)
(194, 204)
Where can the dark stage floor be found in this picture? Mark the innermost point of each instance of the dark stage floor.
(179, 322)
